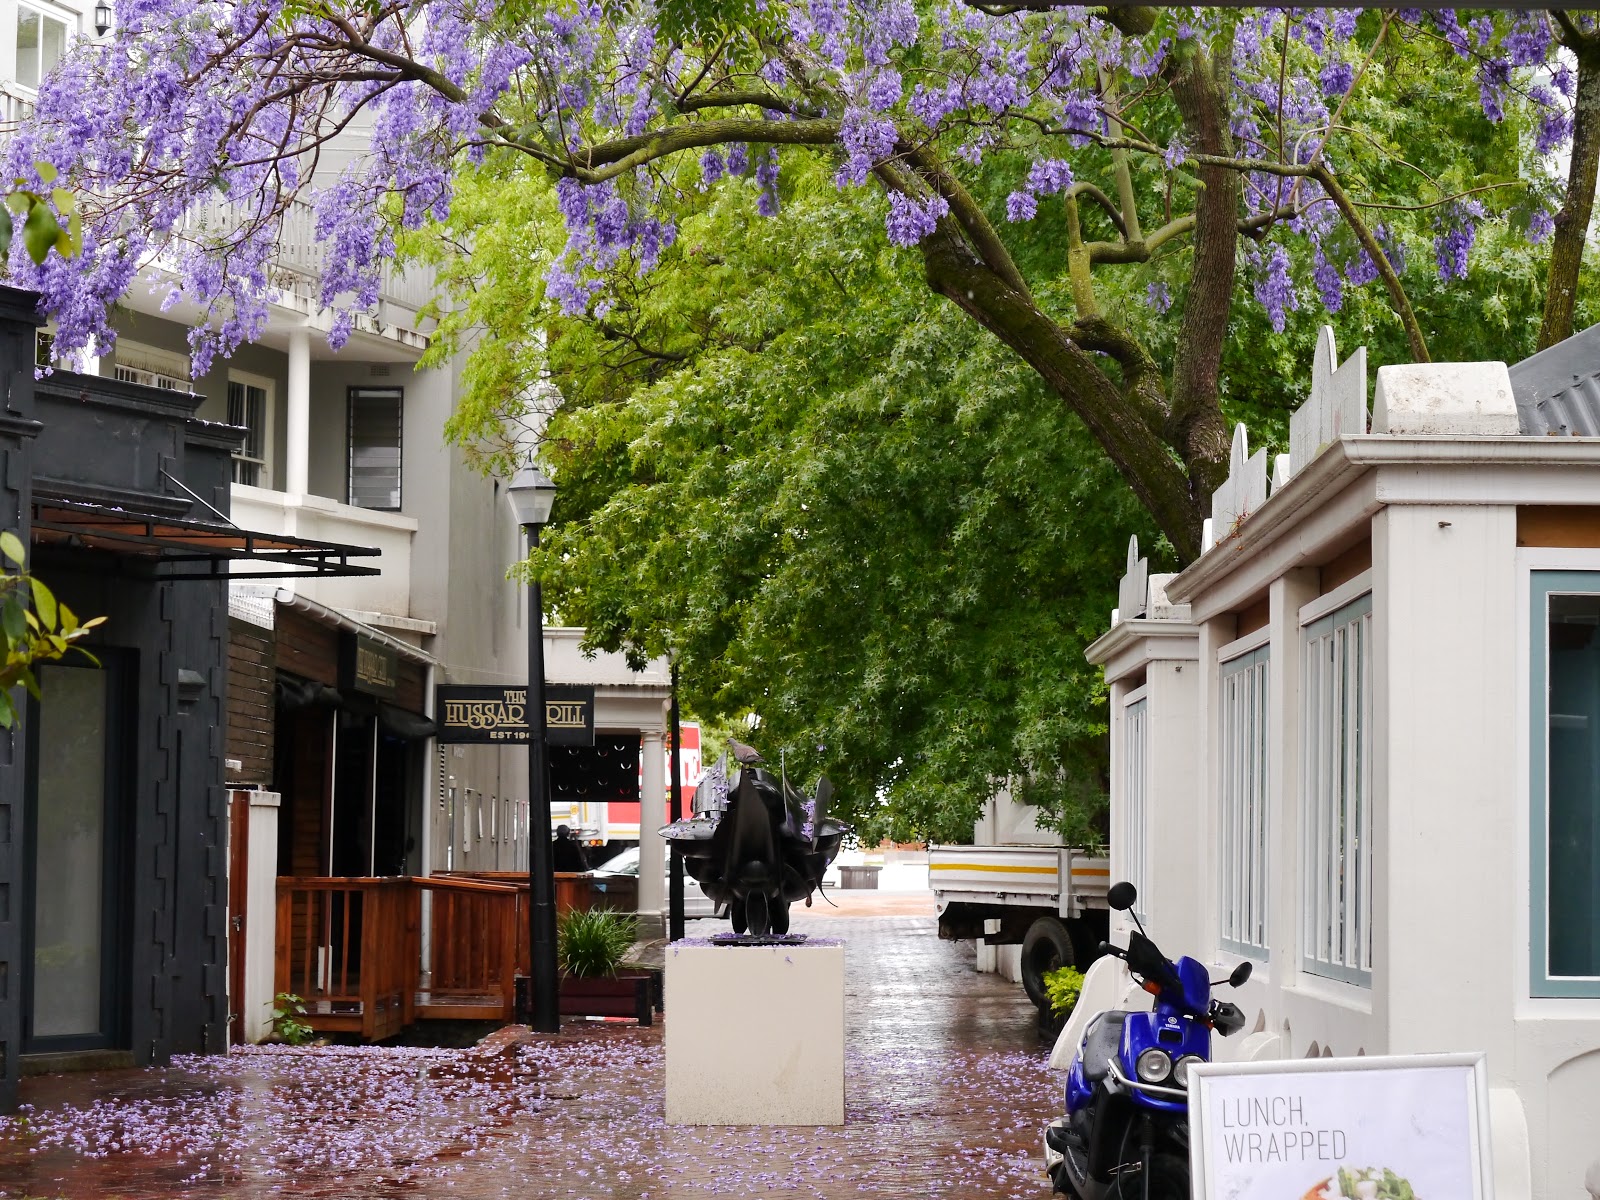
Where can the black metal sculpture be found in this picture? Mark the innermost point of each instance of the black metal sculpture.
(756, 844)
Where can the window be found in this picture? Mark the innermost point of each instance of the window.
(1564, 756)
(1243, 853)
(41, 41)
(1336, 795)
(250, 408)
(375, 447)
(1135, 792)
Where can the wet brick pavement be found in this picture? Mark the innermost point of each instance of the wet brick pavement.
(946, 1092)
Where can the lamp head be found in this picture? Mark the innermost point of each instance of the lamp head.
(102, 17)
(532, 495)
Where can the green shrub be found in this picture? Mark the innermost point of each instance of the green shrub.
(1063, 986)
(590, 944)
(287, 1010)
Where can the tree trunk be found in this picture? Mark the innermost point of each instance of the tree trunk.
(1572, 222)
(1196, 426)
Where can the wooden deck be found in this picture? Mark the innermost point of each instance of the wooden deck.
(354, 950)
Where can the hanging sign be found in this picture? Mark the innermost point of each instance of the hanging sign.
(367, 665)
(1397, 1128)
(472, 713)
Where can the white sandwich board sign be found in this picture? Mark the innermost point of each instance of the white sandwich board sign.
(1410, 1127)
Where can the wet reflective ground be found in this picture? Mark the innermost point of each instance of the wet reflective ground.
(947, 1091)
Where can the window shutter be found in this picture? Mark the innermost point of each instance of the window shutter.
(375, 424)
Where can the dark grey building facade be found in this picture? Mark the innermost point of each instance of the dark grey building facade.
(113, 816)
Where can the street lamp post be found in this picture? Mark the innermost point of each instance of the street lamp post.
(532, 496)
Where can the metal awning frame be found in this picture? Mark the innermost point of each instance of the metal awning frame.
(184, 540)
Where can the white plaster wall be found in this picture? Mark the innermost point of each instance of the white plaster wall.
(261, 932)
(1175, 845)
(1444, 624)
(321, 519)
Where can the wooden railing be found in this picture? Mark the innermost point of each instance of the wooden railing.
(477, 945)
(354, 949)
(348, 949)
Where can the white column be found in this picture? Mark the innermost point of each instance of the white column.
(652, 816)
(297, 475)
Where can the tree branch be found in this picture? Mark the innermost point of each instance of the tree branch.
(1386, 271)
(1104, 201)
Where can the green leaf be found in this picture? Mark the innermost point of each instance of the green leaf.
(5, 231)
(47, 172)
(14, 620)
(40, 231)
(8, 711)
(44, 603)
(66, 204)
(11, 547)
(32, 684)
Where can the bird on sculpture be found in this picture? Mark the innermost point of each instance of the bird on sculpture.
(747, 756)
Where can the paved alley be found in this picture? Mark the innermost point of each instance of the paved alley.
(946, 1093)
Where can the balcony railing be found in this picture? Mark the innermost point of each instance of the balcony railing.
(300, 259)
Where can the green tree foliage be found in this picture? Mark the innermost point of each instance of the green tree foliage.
(850, 510)
(37, 628)
(842, 504)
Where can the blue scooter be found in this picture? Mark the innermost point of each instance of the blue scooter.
(1125, 1135)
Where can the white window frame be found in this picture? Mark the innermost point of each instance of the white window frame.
(1539, 991)
(1243, 826)
(263, 464)
(46, 12)
(1135, 831)
(1336, 798)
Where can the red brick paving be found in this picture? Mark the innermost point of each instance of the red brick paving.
(946, 1094)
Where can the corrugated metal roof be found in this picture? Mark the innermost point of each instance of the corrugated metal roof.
(1558, 390)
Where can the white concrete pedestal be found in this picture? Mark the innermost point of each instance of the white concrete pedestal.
(755, 1034)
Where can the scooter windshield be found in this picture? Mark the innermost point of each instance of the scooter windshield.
(1195, 984)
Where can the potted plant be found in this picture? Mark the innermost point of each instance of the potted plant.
(590, 946)
(1063, 985)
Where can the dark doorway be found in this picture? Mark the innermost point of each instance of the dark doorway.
(80, 775)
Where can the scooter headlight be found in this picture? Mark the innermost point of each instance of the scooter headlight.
(1154, 1066)
(1180, 1069)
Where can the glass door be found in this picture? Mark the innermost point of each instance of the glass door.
(73, 985)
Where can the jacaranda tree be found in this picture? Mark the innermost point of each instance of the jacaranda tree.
(1226, 136)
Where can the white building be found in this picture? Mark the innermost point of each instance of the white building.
(1355, 741)
(347, 448)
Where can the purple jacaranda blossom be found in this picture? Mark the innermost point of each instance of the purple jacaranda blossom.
(711, 168)
(1336, 78)
(1158, 297)
(1050, 176)
(1457, 228)
(1021, 206)
(1274, 289)
(1325, 276)
(1540, 225)
(199, 170)
(911, 220)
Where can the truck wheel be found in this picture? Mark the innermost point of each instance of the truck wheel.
(1045, 947)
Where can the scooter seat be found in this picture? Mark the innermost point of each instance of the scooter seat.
(1100, 1044)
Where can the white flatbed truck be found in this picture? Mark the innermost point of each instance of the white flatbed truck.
(1048, 899)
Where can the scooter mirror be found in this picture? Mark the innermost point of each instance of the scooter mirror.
(1239, 975)
(1122, 896)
